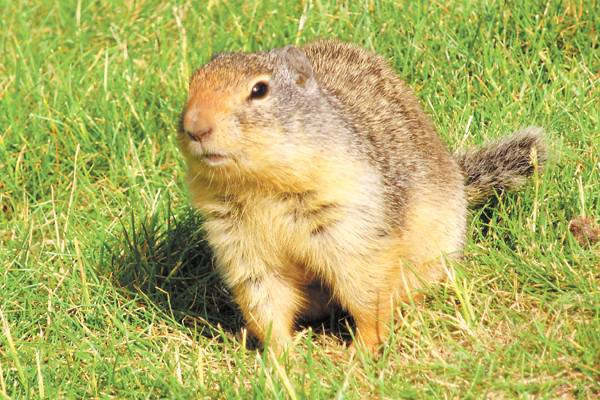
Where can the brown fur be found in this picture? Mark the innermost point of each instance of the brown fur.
(330, 190)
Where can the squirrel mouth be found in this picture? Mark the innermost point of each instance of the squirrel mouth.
(214, 159)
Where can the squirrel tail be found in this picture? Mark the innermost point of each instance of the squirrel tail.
(502, 165)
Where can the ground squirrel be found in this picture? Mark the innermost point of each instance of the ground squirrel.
(323, 184)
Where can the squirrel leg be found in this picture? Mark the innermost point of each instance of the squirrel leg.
(369, 302)
(269, 303)
(371, 323)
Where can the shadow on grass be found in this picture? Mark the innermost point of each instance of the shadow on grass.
(166, 259)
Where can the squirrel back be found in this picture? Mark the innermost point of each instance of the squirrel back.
(392, 113)
(388, 121)
(324, 184)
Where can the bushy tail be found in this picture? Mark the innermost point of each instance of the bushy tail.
(502, 165)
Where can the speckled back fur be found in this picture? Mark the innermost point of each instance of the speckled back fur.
(388, 121)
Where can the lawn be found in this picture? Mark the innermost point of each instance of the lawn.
(107, 288)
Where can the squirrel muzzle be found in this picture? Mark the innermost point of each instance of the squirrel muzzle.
(201, 113)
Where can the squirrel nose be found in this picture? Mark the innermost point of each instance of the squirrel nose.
(198, 121)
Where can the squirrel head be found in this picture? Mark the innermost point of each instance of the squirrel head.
(250, 113)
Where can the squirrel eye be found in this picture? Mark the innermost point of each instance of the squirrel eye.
(259, 90)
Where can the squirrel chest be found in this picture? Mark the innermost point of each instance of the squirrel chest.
(303, 231)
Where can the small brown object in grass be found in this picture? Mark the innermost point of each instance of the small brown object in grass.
(586, 232)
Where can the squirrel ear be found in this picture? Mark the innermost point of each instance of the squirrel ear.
(298, 62)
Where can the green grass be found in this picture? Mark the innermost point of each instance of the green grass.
(106, 285)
